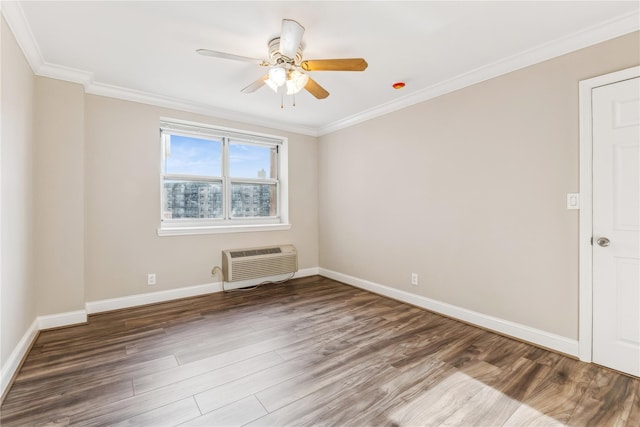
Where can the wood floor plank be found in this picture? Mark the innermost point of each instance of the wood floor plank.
(168, 415)
(340, 408)
(557, 396)
(60, 364)
(217, 345)
(633, 418)
(608, 401)
(440, 401)
(316, 377)
(232, 391)
(309, 352)
(237, 413)
(37, 390)
(498, 400)
(63, 405)
(144, 383)
(371, 406)
(165, 395)
(307, 410)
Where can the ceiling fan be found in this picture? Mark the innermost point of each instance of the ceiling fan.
(286, 67)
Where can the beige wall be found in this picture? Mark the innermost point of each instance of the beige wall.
(80, 201)
(59, 201)
(17, 287)
(122, 202)
(469, 191)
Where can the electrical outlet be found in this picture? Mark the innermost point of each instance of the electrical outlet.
(151, 279)
(414, 279)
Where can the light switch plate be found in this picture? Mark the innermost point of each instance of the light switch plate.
(573, 201)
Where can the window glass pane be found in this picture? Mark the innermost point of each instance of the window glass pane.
(192, 199)
(193, 156)
(253, 200)
(252, 161)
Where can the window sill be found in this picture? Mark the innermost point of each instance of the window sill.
(220, 229)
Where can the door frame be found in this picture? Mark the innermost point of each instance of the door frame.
(585, 316)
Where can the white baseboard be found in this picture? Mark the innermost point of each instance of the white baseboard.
(522, 332)
(172, 294)
(314, 271)
(151, 298)
(62, 319)
(11, 366)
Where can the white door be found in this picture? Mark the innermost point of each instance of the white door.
(616, 225)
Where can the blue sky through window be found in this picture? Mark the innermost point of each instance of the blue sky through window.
(194, 156)
(203, 157)
(246, 161)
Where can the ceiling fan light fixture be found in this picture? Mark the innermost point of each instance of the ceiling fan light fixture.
(277, 76)
(296, 81)
(273, 87)
(287, 67)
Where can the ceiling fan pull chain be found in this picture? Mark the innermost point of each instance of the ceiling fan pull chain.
(294, 99)
(281, 100)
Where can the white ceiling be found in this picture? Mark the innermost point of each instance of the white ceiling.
(145, 50)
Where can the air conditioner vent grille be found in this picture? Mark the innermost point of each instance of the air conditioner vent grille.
(254, 252)
(255, 263)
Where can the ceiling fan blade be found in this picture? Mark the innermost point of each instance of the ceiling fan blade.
(346, 64)
(215, 54)
(255, 85)
(315, 89)
(290, 38)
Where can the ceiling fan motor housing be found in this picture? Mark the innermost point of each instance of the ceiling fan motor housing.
(278, 58)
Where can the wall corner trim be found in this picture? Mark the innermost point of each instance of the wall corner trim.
(13, 363)
(522, 332)
(314, 271)
(19, 353)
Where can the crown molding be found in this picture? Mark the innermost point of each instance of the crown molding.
(192, 107)
(111, 91)
(68, 74)
(14, 16)
(604, 31)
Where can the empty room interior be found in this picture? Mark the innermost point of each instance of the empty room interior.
(376, 213)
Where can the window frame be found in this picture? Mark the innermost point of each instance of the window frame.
(227, 223)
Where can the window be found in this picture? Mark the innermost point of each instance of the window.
(221, 180)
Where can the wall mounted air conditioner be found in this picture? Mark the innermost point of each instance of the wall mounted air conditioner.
(254, 263)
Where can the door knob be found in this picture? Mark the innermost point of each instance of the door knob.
(603, 241)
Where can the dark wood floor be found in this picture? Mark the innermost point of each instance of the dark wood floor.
(306, 353)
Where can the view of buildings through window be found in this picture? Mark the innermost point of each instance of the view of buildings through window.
(192, 199)
(199, 172)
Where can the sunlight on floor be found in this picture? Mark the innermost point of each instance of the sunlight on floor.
(461, 400)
